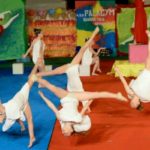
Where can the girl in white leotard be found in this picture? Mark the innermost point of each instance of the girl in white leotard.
(139, 89)
(74, 83)
(37, 47)
(70, 118)
(91, 57)
(14, 109)
(36, 50)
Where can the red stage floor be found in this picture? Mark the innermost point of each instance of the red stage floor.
(115, 126)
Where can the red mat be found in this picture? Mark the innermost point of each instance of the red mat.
(115, 126)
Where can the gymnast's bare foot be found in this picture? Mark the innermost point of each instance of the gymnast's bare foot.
(121, 97)
(94, 74)
(32, 140)
(99, 70)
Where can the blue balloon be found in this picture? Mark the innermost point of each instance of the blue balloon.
(51, 11)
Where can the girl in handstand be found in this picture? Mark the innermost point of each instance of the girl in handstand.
(138, 90)
(70, 118)
(74, 83)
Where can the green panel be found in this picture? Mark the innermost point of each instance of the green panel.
(10, 4)
(12, 40)
(108, 3)
(125, 21)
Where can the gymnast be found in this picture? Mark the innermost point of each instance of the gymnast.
(74, 83)
(15, 108)
(70, 118)
(37, 47)
(91, 57)
(138, 90)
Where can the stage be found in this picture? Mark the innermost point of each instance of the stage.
(114, 124)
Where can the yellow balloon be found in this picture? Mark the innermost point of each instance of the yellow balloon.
(59, 11)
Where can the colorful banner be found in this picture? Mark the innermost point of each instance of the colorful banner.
(12, 42)
(125, 21)
(97, 13)
(59, 29)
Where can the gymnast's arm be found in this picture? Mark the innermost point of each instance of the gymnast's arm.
(91, 38)
(50, 104)
(124, 82)
(99, 50)
(93, 52)
(29, 50)
(8, 123)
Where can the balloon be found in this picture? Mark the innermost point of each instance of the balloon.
(31, 12)
(51, 11)
(42, 13)
(59, 11)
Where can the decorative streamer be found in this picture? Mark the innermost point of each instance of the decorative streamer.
(59, 35)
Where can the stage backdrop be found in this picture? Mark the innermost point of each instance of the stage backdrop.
(59, 29)
(97, 13)
(125, 20)
(12, 43)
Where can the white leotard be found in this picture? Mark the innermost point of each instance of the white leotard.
(74, 83)
(141, 85)
(36, 50)
(69, 113)
(69, 110)
(14, 108)
(87, 57)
